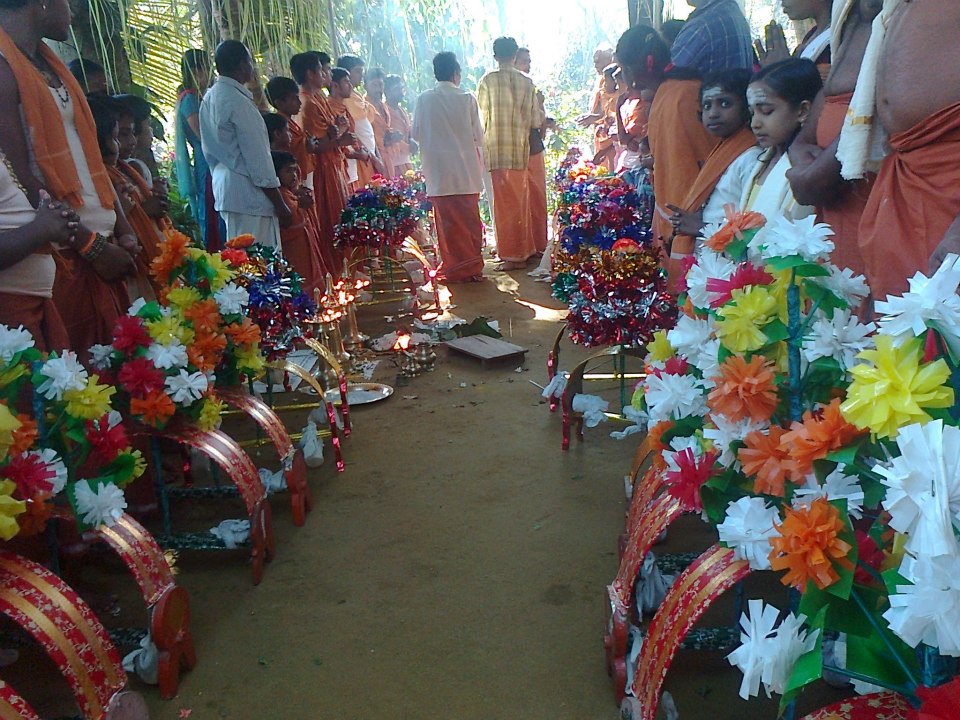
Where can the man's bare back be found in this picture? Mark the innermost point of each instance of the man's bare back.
(846, 60)
(919, 72)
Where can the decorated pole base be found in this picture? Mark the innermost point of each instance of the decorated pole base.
(238, 466)
(553, 363)
(65, 627)
(169, 605)
(291, 458)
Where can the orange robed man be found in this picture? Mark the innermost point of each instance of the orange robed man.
(56, 135)
(331, 135)
(380, 117)
(367, 161)
(399, 140)
(447, 125)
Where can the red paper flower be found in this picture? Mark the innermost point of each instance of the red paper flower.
(745, 275)
(685, 483)
(30, 474)
(869, 554)
(686, 263)
(130, 334)
(107, 442)
(140, 376)
(671, 366)
(235, 256)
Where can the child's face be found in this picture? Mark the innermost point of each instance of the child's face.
(775, 121)
(127, 137)
(145, 135)
(110, 147)
(281, 140)
(721, 112)
(289, 106)
(289, 176)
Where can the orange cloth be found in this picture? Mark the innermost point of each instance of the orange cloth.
(716, 164)
(845, 212)
(511, 198)
(43, 120)
(301, 246)
(364, 169)
(88, 305)
(317, 116)
(399, 153)
(148, 232)
(38, 315)
(912, 203)
(679, 144)
(298, 148)
(381, 119)
(460, 235)
(537, 190)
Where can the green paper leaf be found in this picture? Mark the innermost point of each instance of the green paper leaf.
(802, 267)
(828, 301)
(822, 469)
(737, 249)
(842, 587)
(869, 655)
(776, 331)
(846, 455)
(843, 615)
(809, 666)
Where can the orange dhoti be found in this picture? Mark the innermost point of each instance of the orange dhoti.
(88, 304)
(39, 316)
(301, 245)
(845, 212)
(511, 198)
(460, 235)
(679, 145)
(537, 189)
(330, 196)
(912, 203)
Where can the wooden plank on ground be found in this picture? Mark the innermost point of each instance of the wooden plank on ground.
(487, 349)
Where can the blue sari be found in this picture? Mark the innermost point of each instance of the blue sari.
(193, 175)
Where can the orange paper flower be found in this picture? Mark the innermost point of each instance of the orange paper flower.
(764, 461)
(745, 389)
(34, 520)
(205, 316)
(737, 223)
(154, 409)
(809, 546)
(172, 252)
(656, 442)
(820, 433)
(241, 241)
(205, 352)
(245, 332)
(24, 436)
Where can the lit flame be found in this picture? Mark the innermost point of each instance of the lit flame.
(403, 340)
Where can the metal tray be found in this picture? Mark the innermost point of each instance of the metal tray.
(360, 393)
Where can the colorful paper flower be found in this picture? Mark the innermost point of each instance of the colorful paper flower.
(231, 299)
(659, 349)
(154, 410)
(809, 545)
(30, 474)
(129, 334)
(173, 250)
(745, 390)
(709, 266)
(820, 433)
(185, 388)
(841, 337)
(14, 341)
(245, 332)
(168, 329)
(723, 434)
(930, 301)
(721, 290)
(892, 388)
(166, 356)
(183, 297)
(690, 336)
(90, 403)
(747, 528)
(850, 288)
(62, 373)
(8, 425)
(210, 411)
(784, 237)
(687, 471)
(98, 503)
(24, 436)
(928, 610)
(764, 459)
(737, 224)
(9, 510)
(101, 356)
(139, 376)
(741, 321)
(672, 397)
(836, 486)
(923, 487)
(107, 439)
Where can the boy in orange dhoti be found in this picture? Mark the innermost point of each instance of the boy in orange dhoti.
(284, 94)
(299, 239)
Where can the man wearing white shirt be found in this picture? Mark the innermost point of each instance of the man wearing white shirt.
(447, 126)
(246, 190)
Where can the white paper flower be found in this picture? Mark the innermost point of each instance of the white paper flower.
(677, 446)
(101, 356)
(724, 433)
(928, 611)
(186, 387)
(101, 506)
(923, 487)
(231, 298)
(785, 238)
(672, 397)
(171, 355)
(747, 529)
(836, 486)
(790, 643)
(55, 465)
(689, 335)
(850, 288)
(930, 300)
(711, 229)
(136, 306)
(840, 337)
(13, 341)
(709, 265)
(62, 374)
(707, 361)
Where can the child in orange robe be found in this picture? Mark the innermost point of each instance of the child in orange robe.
(299, 239)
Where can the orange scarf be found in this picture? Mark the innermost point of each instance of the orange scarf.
(47, 135)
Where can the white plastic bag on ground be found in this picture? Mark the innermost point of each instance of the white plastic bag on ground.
(143, 661)
(233, 532)
(312, 445)
(638, 418)
(273, 481)
(592, 407)
(652, 585)
(556, 386)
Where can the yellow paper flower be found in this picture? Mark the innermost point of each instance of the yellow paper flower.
(209, 413)
(91, 403)
(8, 423)
(659, 348)
(169, 328)
(183, 297)
(250, 360)
(222, 272)
(892, 388)
(9, 510)
(741, 323)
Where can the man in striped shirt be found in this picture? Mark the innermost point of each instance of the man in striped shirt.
(715, 37)
(509, 109)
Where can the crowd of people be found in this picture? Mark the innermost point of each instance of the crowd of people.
(845, 128)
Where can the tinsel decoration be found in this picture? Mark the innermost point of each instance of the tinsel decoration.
(384, 213)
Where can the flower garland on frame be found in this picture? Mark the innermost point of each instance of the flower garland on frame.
(384, 213)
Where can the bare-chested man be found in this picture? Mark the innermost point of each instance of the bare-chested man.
(815, 176)
(913, 216)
